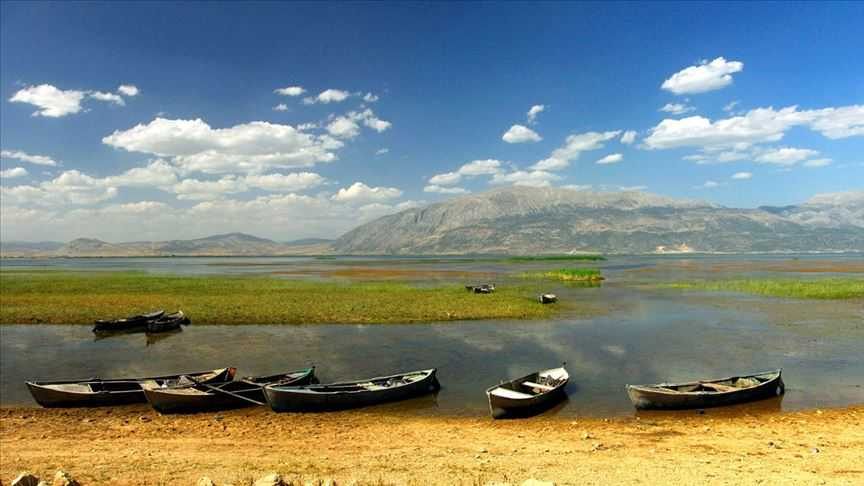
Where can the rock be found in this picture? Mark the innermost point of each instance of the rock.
(537, 482)
(25, 479)
(586, 436)
(144, 418)
(205, 481)
(483, 451)
(62, 478)
(597, 447)
(273, 479)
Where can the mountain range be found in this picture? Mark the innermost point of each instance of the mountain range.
(526, 220)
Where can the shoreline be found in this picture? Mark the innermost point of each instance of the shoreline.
(134, 445)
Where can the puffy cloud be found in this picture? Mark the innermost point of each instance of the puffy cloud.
(533, 112)
(446, 179)
(280, 107)
(290, 91)
(533, 178)
(471, 169)
(611, 159)
(157, 173)
(742, 175)
(328, 96)
(705, 76)
(818, 163)
(249, 147)
(520, 134)
(444, 190)
(708, 185)
(25, 157)
(51, 101)
(109, 97)
(12, 173)
(632, 188)
(730, 106)
(196, 190)
(297, 181)
(573, 146)
(578, 187)
(128, 90)
(628, 137)
(370, 98)
(677, 108)
(843, 122)
(69, 188)
(382, 151)
(785, 156)
(347, 126)
(361, 193)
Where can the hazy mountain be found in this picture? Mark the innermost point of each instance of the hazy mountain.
(554, 220)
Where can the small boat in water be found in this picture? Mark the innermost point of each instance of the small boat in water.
(168, 322)
(136, 322)
(93, 392)
(528, 395)
(547, 298)
(195, 396)
(707, 393)
(351, 394)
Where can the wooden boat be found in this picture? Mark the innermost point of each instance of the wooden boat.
(707, 393)
(93, 392)
(547, 298)
(127, 323)
(168, 322)
(528, 395)
(481, 288)
(351, 394)
(199, 397)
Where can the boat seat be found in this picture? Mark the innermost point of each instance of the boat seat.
(531, 384)
(719, 387)
(508, 393)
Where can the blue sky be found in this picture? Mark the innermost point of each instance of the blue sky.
(764, 105)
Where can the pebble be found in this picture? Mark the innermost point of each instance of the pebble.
(144, 418)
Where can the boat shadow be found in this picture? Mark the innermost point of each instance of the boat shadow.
(549, 409)
(760, 407)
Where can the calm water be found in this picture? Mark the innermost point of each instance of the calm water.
(622, 332)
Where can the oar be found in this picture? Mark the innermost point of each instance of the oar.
(217, 389)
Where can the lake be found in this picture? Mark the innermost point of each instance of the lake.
(623, 331)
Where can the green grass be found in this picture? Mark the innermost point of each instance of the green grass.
(556, 258)
(568, 274)
(829, 288)
(81, 297)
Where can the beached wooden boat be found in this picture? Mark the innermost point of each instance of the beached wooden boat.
(92, 392)
(137, 322)
(547, 298)
(528, 395)
(198, 397)
(707, 393)
(168, 322)
(351, 394)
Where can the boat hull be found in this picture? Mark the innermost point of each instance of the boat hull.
(307, 399)
(648, 398)
(505, 407)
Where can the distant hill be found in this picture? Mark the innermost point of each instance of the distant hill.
(523, 220)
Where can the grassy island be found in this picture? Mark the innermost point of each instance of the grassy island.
(568, 274)
(80, 297)
(828, 288)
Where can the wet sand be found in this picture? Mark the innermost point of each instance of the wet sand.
(134, 445)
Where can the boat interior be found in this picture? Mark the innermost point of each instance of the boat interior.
(733, 384)
(371, 385)
(531, 385)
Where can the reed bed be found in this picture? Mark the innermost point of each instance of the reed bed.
(827, 288)
(568, 274)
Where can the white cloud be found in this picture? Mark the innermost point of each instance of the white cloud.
(51, 101)
(632, 188)
(708, 185)
(481, 167)
(370, 98)
(249, 147)
(444, 190)
(742, 175)
(785, 156)
(705, 76)
(157, 173)
(574, 145)
(578, 187)
(109, 97)
(297, 181)
(361, 193)
(12, 173)
(842, 122)
(818, 163)
(628, 137)
(290, 91)
(533, 178)
(730, 106)
(25, 157)
(382, 151)
(520, 134)
(677, 108)
(328, 96)
(196, 190)
(128, 90)
(446, 179)
(280, 107)
(533, 112)
(69, 188)
(347, 126)
(611, 159)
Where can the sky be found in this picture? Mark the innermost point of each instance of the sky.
(151, 121)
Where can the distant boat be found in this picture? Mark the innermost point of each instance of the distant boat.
(547, 298)
(528, 395)
(481, 288)
(351, 394)
(707, 393)
(127, 323)
(93, 392)
(199, 397)
(168, 322)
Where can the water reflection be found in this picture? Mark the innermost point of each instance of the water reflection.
(149, 338)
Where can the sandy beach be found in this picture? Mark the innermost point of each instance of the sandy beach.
(134, 445)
